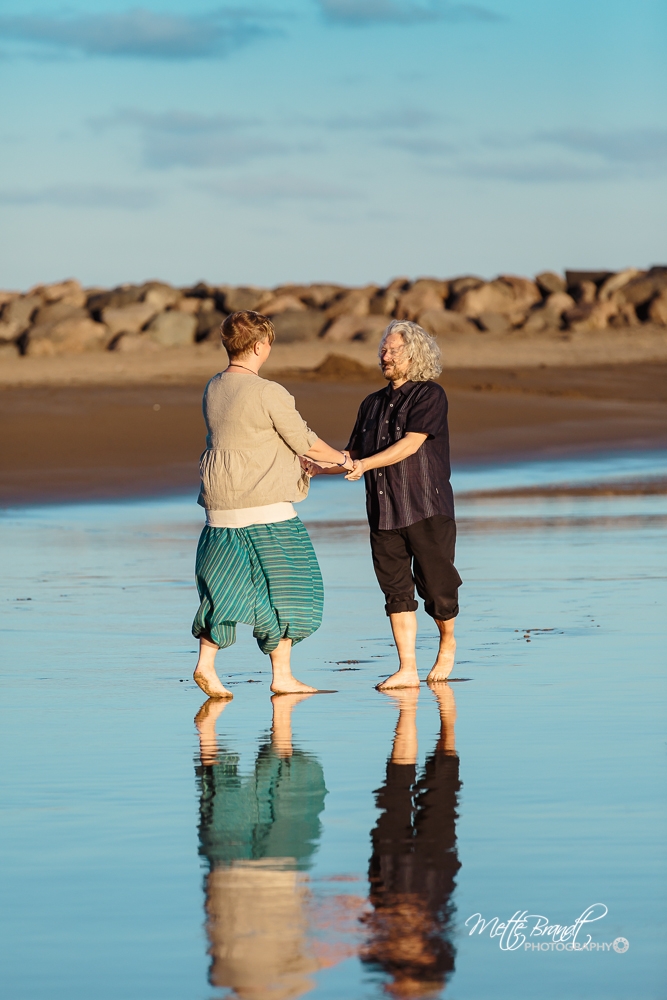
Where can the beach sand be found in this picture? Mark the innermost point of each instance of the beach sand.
(71, 442)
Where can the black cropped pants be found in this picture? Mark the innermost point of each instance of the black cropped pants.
(420, 555)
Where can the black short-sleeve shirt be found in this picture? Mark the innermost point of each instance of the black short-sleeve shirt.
(419, 486)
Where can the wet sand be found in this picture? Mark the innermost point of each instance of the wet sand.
(71, 442)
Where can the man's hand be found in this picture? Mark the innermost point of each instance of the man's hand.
(358, 470)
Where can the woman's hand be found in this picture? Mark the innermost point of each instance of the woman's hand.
(357, 470)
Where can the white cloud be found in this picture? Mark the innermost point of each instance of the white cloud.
(82, 196)
(367, 12)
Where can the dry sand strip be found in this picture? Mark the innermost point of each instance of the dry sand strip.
(65, 443)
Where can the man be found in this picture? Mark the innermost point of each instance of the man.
(401, 445)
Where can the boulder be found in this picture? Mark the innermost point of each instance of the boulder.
(68, 336)
(128, 319)
(56, 311)
(124, 295)
(626, 316)
(160, 296)
(550, 283)
(189, 305)
(21, 311)
(574, 278)
(242, 299)
(294, 325)
(542, 321)
(584, 293)
(9, 332)
(467, 281)
(445, 323)
(657, 311)
(6, 297)
(69, 292)
(640, 290)
(281, 303)
(356, 302)
(558, 302)
(209, 322)
(383, 303)
(8, 351)
(616, 282)
(493, 322)
(508, 295)
(365, 328)
(425, 294)
(131, 343)
(319, 296)
(590, 316)
(172, 329)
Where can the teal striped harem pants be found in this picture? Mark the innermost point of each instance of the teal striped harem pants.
(266, 575)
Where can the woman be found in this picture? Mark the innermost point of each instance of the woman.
(255, 561)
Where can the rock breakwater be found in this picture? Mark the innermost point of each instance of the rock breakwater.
(65, 318)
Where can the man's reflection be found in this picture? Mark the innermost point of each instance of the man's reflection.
(414, 861)
(258, 833)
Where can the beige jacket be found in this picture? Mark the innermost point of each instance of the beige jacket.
(255, 436)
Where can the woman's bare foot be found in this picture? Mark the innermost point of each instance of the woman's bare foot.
(205, 675)
(405, 677)
(444, 663)
(284, 681)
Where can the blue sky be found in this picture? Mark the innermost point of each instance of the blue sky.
(349, 140)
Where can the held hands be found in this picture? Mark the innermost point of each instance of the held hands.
(357, 470)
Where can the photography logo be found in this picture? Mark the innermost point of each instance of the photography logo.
(533, 932)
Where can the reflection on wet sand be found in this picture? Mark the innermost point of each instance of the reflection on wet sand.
(414, 862)
(258, 833)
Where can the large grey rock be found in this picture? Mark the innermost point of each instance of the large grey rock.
(209, 322)
(160, 295)
(292, 326)
(493, 322)
(131, 343)
(425, 294)
(242, 299)
(129, 319)
(172, 329)
(657, 311)
(124, 295)
(368, 329)
(574, 278)
(68, 336)
(549, 282)
(56, 311)
(69, 292)
(508, 295)
(21, 311)
(384, 302)
(318, 296)
(353, 303)
(281, 303)
(445, 323)
(462, 284)
(9, 332)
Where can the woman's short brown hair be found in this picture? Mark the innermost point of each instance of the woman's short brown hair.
(242, 330)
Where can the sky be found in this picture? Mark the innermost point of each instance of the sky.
(329, 140)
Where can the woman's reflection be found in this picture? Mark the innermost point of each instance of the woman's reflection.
(414, 861)
(258, 833)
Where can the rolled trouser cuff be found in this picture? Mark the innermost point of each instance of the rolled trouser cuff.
(395, 605)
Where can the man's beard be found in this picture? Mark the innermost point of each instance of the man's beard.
(389, 371)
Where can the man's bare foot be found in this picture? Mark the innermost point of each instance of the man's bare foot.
(444, 663)
(210, 683)
(290, 685)
(405, 677)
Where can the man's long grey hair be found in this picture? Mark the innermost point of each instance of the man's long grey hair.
(421, 348)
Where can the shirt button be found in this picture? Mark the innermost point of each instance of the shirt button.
(380, 492)
(391, 404)
(379, 474)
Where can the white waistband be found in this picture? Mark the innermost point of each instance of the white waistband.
(268, 513)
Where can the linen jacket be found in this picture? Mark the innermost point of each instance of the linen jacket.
(254, 440)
